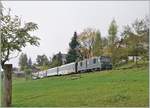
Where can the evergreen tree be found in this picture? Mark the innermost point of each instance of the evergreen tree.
(73, 53)
(59, 58)
(56, 60)
(97, 46)
(112, 32)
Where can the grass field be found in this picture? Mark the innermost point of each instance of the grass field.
(124, 87)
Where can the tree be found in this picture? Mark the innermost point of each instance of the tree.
(30, 62)
(112, 32)
(56, 60)
(112, 38)
(59, 57)
(25, 65)
(86, 40)
(136, 38)
(23, 61)
(73, 53)
(97, 46)
(105, 47)
(104, 41)
(15, 36)
(42, 60)
(28, 72)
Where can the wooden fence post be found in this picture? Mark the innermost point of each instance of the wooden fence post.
(7, 85)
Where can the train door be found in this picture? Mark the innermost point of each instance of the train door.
(76, 67)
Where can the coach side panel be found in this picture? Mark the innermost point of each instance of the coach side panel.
(67, 69)
(52, 71)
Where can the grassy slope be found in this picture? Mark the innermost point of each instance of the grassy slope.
(106, 88)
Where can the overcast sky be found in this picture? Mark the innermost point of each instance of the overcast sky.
(57, 20)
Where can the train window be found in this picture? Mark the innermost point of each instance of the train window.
(108, 59)
(102, 58)
(80, 63)
(87, 62)
(105, 59)
(94, 61)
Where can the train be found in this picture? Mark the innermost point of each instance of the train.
(86, 65)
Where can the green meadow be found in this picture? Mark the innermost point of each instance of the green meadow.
(111, 88)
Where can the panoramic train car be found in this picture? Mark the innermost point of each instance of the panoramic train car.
(67, 69)
(82, 66)
(52, 71)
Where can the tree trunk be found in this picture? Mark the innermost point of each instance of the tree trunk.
(7, 86)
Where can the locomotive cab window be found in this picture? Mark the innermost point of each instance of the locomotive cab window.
(102, 59)
(94, 61)
(108, 60)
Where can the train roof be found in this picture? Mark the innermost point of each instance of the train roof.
(95, 57)
(67, 64)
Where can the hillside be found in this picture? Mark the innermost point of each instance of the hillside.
(124, 87)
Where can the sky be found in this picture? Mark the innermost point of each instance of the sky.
(57, 20)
